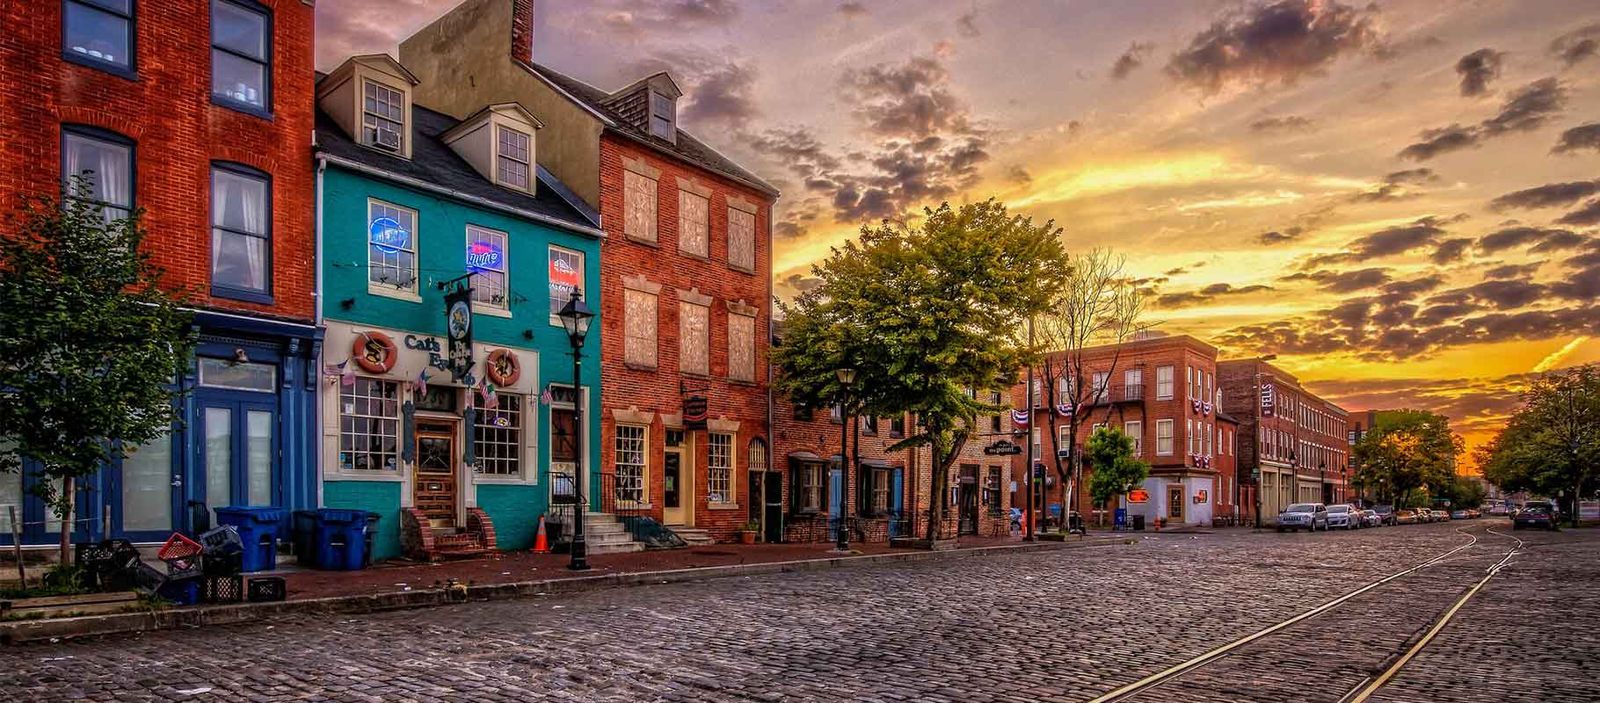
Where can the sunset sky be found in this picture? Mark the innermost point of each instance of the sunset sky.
(1400, 199)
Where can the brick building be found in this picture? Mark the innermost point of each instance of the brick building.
(1162, 391)
(685, 269)
(1293, 445)
(199, 113)
(814, 491)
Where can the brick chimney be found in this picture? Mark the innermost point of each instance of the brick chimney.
(522, 30)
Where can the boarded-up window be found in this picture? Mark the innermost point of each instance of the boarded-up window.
(639, 319)
(639, 206)
(694, 212)
(741, 347)
(694, 323)
(741, 239)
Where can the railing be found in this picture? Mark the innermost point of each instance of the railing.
(1133, 392)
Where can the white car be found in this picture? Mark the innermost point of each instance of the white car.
(1345, 516)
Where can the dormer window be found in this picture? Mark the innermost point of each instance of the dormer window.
(512, 158)
(663, 117)
(383, 122)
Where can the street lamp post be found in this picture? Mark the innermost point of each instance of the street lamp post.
(1294, 475)
(1256, 478)
(576, 318)
(1322, 478)
(847, 376)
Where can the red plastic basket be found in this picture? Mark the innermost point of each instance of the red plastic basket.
(179, 547)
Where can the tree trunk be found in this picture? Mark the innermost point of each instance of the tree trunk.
(68, 485)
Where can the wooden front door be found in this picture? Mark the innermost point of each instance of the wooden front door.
(434, 484)
(1175, 505)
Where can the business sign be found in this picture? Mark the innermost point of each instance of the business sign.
(564, 275)
(1002, 448)
(1266, 400)
(458, 331)
(694, 412)
(1200, 497)
(485, 256)
(386, 233)
(1138, 495)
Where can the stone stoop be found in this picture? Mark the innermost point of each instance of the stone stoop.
(604, 535)
(422, 541)
(695, 536)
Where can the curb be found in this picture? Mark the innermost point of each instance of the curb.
(19, 632)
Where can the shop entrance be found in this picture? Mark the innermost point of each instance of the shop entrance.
(434, 485)
(967, 499)
(677, 495)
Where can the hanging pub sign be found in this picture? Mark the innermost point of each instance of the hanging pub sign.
(1266, 400)
(694, 412)
(1002, 448)
(458, 329)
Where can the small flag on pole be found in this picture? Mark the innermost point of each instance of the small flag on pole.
(546, 398)
(347, 375)
(422, 382)
(490, 401)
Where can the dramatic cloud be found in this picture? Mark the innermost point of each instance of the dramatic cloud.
(1344, 281)
(1477, 69)
(1131, 59)
(910, 100)
(1289, 123)
(1328, 332)
(1527, 109)
(1450, 250)
(1205, 295)
(1394, 187)
(364, 27)
(674, 16)
(717, 88)
(853, 10)
(1279, 237)
(1578, 138)
(1017, 173)
(1542, 238)
(1472, 404)
(1548, 195)
(1512, 271)
(1278, 42)
(1577, 45)
(1388, 241)
(1585, 216)
(967, 25)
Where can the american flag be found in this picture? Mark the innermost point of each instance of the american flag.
(422, 382)
(490, 400)
(546, 397)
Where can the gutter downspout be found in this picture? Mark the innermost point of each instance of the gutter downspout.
(316, 405)
(771, 456)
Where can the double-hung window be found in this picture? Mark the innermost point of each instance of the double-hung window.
(241, 232)
(513, 158)
(1135, 431)
(486, 260)
(383, 117)
(566, 277)
(99, 33)
(1163, 383)
(1163, 437)
(391, 247)
(1133, 384)
(497, 438)
(719, 468)
(630, 466)
(97, 169)
(241, 54)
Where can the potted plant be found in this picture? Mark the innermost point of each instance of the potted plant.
(747, 534)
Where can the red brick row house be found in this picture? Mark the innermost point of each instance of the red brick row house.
(1293, 444)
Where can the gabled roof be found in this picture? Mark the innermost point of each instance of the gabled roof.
(687, 148)
(434, 163)
(513, 109)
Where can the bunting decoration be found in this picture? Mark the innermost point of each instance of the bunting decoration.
(1195, 404)
(343, 369)
(1068, 409)
(490, 400)
(1020, 417)
(1205, 408)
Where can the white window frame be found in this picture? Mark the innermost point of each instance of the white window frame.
(369, 131)
(1100, 386)
(503, 271)
(642, 441)
(1164, 439)
(1164, 382)
(502, 159)
(410, 290)
(721, 471)
(513, 437)
(559, 300)
(396, 419)
(1133, 379)
(1135, 430)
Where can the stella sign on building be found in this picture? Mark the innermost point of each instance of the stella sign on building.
(1138, 495)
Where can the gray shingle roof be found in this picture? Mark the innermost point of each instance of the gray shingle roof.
(688, 147)
(432, 161)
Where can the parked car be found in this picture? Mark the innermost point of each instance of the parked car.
(1535, 515)
(1459, 515)
(1386, 513)
(1344, 517)
(1439, 515)
(1371, 518)
(1304, 516)
(1499, 510)
(1405, 517)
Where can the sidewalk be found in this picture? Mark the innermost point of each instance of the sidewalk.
(513, 575)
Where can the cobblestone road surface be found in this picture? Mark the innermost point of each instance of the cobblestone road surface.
(1048, 626)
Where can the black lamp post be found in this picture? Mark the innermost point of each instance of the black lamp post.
(576, 317)
(1294, 477)
(846, 376)
(1322, 478)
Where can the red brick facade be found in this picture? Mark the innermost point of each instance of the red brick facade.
(166, 110)
(1302, 436)
(651, 396)
(801, 439)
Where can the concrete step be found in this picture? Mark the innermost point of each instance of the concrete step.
(693, 535)
(615, 548)
(607, 538)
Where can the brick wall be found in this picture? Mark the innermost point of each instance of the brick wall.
(167, 111)
(656, 391)
(820, 436)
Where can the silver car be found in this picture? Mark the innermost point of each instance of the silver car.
(1344, 517)
(1371, 518)
(1304, 516)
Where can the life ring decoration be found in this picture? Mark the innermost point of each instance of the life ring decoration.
(503, 368)
(374, 352)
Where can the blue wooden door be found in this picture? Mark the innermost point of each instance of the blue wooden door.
(238, 451)
(835, 501)
(897, 503)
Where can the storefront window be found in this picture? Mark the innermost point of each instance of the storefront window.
(719, 473)
(630, 463)
(369, 426)
(497, 439)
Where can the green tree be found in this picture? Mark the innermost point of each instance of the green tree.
(1409, 454)
(91, 344)
(1551, 445)
(1113, 470)
(1467, 492)
(928, 316)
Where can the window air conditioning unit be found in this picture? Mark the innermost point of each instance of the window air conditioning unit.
(384, 138)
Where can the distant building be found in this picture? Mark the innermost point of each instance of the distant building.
(1293, 445)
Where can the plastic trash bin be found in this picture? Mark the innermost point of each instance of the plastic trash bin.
(258, 529)
(340, 538)
(1138, 523)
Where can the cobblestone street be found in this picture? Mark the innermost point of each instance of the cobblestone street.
(1061, 625)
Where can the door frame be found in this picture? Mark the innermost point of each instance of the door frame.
(1183, 509)
(238, 403)
(685, 510)
(457, 466)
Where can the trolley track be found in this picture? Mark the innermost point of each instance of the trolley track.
(1308, 646)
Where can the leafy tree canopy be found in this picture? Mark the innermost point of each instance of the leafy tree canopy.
(1551, 445)
(1405, 451)
(1109, 453)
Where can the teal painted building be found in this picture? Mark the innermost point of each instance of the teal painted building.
(457, 450)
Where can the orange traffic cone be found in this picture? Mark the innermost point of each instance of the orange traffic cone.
(541, 545)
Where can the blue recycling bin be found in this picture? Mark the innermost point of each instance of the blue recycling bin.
(339, 539)
(259, 529)
(1120, 519)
